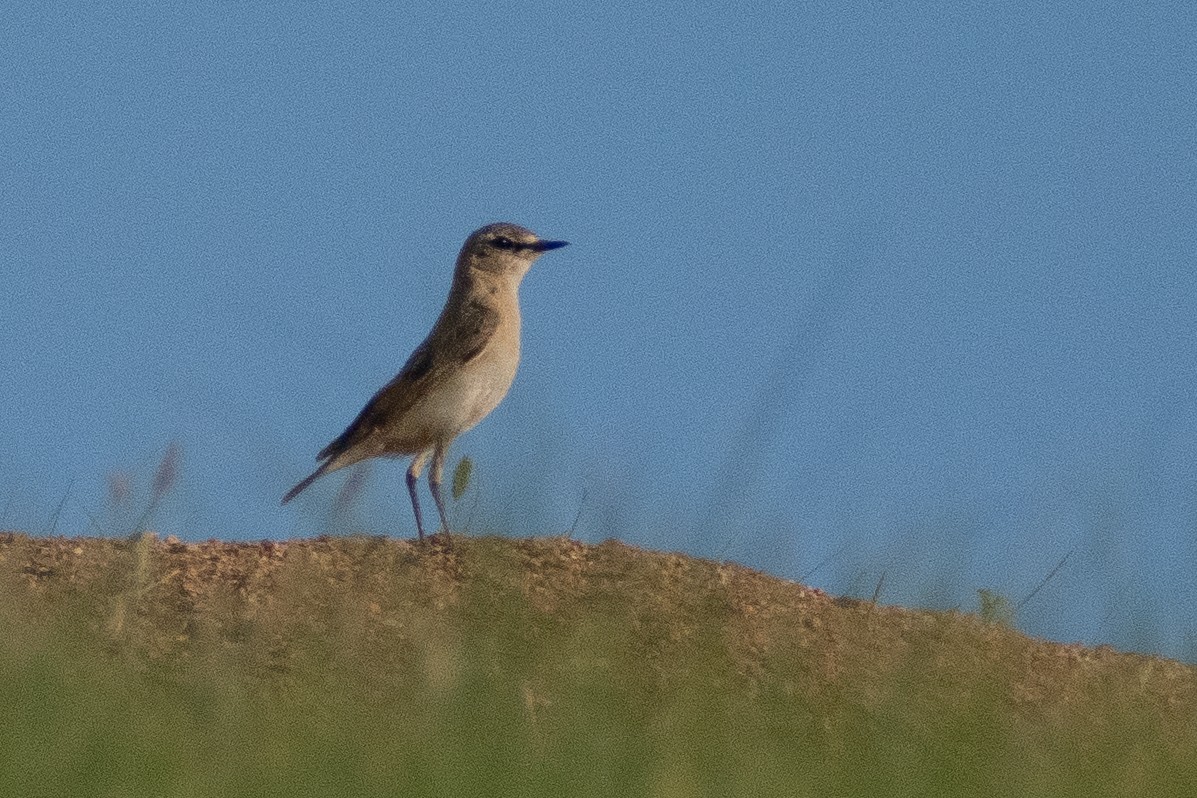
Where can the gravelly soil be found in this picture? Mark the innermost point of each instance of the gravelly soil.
(165, 600)
(375, 666)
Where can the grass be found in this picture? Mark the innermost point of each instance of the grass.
(364, 666)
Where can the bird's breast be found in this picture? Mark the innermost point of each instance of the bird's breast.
(465, 393)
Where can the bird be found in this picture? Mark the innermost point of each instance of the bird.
(456, 377)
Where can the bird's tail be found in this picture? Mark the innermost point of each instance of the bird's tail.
(298, 489)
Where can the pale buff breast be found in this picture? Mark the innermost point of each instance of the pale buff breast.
(463, 396)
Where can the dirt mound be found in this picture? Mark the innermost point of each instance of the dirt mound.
(165, 598)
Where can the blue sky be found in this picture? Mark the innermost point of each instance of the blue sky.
(899, 288)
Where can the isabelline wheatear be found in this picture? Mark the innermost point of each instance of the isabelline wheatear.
(457, 376)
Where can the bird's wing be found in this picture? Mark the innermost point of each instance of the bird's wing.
(455, 340)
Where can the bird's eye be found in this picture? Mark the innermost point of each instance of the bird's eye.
(503, 242)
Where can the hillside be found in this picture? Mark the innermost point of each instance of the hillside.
(542, 666)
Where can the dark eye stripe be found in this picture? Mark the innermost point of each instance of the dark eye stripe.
(503, 242)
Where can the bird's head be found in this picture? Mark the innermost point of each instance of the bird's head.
(504, 249)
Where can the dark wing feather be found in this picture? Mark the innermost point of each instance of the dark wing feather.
(449, 346)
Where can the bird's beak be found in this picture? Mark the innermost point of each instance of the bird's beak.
(545, 246)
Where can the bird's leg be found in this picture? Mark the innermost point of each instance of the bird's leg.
(434, 482)
(413, 474)
(415, 502)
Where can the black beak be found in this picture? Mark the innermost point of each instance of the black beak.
(545, 246)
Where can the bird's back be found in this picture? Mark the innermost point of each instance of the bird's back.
(453, 380)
